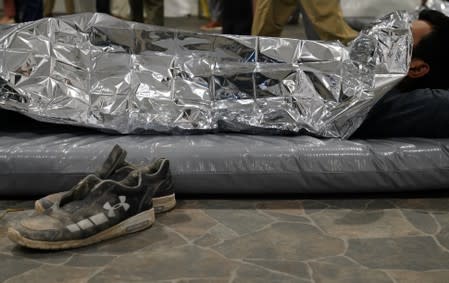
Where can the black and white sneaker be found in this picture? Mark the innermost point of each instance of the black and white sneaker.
(116, 168)
(96, 211)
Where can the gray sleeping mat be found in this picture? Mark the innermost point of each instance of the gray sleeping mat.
(37, 163)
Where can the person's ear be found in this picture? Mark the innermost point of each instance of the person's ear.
(418, 69)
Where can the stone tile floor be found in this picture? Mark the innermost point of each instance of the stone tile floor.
(401, 240)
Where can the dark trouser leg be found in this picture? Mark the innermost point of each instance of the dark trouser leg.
(237, 17)
(18, 16)
(136, 7)
(103, 6)
(29, 10)
(155, 12)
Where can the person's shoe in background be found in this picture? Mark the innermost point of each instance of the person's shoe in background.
(212, 25)
(6, 21)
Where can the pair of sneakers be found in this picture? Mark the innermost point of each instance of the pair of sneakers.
(118, 199)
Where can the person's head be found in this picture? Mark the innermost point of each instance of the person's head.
(430, 59)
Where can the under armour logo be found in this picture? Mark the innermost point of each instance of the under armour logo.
(111, 209)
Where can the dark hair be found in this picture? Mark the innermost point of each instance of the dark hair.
(434, 50)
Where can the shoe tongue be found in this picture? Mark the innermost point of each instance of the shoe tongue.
(115, 160)
(92, 187)
(81, 191)
(132, 179)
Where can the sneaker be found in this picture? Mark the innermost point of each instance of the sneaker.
(96, 211)
(115, 167)
(213, 25)
(6, 20)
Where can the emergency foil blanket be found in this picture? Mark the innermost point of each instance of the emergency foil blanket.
(97, 71)
(438, 5)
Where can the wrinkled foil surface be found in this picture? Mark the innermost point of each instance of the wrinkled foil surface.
(97, 71)
(438, 5)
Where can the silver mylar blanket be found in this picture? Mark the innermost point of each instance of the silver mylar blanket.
(97, 71)
(438, 5)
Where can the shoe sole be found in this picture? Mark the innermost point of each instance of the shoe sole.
(160, 204)
(164, 204)
(133, 224)
(211, 29)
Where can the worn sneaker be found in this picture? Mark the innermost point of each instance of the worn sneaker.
(91, 214)
(116, 168)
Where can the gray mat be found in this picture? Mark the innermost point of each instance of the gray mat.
(35, 164)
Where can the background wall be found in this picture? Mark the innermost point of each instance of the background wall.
(376, 8)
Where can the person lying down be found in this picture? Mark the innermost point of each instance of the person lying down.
(419, 105)
(96, 71)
